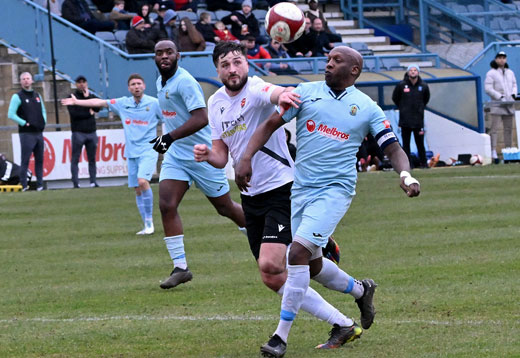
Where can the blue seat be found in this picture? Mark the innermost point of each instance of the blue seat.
(120, 36)
(391, 64)
(220, 14)
(189, 14)
(108, 36)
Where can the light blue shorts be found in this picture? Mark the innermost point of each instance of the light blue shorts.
(315, 212)
(210, 180)
(141, 167)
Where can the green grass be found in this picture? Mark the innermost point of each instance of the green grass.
(77, 282)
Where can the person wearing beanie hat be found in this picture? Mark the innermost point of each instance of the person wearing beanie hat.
(500, 85)
(411, 96)
(136, 20)
(141, 39)
(244, 23)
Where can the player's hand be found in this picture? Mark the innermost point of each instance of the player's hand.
(162, 143)
(288, 99)
(243, 172)
(201, 152)
(409, 184)
(69, 101)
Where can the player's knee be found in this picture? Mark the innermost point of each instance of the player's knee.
(224, 209)
(167, 207)
(269, 266)
(274, 282)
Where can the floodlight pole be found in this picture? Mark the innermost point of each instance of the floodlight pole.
(53, 62)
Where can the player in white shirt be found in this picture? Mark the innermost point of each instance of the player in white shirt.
(235, 111)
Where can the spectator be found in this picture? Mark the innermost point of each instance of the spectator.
(411, 96)
(188, 5)
(163, 5)
(158, 24)
(78, 12)
(276, 50)
(104, 6)
(315, 12)
(322, 40)
(170, 28)
(190, 39)
(55, 5)
(83, 127)
(304, 45)
(230, 5)
(139, 39)
(257, 52)
(27, 110)
(500, 85)
(120, 16)
(244, 23)
(144, 12)
(223, 32)
(206, 29)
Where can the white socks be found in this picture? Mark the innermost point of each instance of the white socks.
(331, 276)
(175, 246)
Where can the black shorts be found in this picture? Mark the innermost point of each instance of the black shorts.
(268, 217)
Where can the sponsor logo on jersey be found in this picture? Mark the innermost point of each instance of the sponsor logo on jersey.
(332, 133)
(229, 133)
(280, 227)
(311, 126)
(128, 121)
(112, 101)
(168, 114)
(353, 109)
(243, 102)
(315, 99)
(227, 124)
(386, 123)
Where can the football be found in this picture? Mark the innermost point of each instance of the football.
(285, 22)
(476, 159)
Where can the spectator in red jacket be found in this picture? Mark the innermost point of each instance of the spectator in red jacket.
(257, 52)
(223, 32)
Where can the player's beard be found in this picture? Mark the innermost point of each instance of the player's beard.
(166, 73)
(235, 87)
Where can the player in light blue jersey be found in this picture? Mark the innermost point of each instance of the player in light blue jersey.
(186, 119)
(332, 120)
(140, 115)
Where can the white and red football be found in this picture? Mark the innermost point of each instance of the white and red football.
(476, 159)
(285, 22)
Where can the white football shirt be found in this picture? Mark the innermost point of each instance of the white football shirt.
(235, 119)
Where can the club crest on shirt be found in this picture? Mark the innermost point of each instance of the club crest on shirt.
(354, 109)
(266, 88)
(167, 94)
(38, 99)
(243, 102)
(147, 108)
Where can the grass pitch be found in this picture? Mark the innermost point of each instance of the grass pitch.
(77, 282)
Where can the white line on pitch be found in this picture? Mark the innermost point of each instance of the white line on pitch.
(228, 318)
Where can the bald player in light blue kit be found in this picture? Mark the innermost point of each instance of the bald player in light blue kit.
(186, 120)
(333, 117)
(140, 114)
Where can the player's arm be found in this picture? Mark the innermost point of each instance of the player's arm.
(197, 121)
(243, 170)
(401, 165)
(93, 102)
(13, 109)
(285, 97)
(217, 156)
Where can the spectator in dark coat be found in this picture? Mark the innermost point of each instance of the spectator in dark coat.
(205, 27)
(120, 16)
(223, 5)
(144, 12)
(244, 23)
(304, 45)
(315, 12)
(78, 12)
(139, 39)
(322, 40)
(411, 96)
(171, 32)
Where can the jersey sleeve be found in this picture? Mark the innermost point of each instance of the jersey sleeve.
(212, 119)
(114, 105)
(292, 112)
(380, 127)
(191, 94)
(262, 91)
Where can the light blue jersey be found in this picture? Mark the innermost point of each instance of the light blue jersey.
(329, 130)
(139, 122)
(180, 95)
